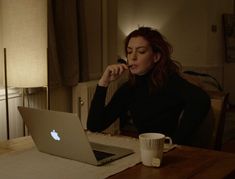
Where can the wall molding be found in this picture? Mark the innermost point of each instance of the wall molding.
(12, 93)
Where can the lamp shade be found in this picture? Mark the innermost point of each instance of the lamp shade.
(24, 32)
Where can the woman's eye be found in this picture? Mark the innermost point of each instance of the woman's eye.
(142, 51)
(129, 52)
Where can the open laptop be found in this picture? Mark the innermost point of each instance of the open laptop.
(61, 134)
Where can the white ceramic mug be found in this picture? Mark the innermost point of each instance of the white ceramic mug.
(151, 148)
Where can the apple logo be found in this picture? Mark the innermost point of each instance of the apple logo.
(55, 135)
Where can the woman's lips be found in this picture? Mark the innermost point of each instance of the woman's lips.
(132, 66)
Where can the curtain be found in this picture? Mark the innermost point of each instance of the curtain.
(64, 39)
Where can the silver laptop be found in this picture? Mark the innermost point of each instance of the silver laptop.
(61, 134)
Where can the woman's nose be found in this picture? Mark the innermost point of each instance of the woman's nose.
(133, 56)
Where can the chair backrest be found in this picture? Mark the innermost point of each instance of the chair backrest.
(219, 102)
(210, 135)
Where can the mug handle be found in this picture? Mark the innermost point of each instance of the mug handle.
(168, 139)
(168, 146)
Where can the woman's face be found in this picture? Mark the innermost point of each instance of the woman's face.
(140, 56)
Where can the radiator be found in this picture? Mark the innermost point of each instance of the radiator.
(36, 100)
(82, 96)
(15, 121)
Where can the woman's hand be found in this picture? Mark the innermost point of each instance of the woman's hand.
(111, 73)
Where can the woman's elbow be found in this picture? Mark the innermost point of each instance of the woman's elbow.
(93, 126)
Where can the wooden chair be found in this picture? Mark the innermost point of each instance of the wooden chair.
(210, 135)
(219, 103)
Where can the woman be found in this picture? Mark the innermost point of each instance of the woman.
(157, 97)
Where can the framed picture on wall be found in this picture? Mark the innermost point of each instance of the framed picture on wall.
(229, 36)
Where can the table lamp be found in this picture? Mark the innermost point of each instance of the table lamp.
(24, 34)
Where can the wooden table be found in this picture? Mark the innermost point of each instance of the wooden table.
(181, 163)
(187, 162)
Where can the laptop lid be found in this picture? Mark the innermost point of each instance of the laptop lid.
(61, 134)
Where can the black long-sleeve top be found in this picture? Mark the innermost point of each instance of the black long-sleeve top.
(176, 110)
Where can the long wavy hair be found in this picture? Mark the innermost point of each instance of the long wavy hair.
(165, 66)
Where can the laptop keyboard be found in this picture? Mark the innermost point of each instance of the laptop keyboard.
(101, 155)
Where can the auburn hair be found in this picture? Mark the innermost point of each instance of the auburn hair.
(165, 66)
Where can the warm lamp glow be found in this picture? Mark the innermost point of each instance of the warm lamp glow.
(24, 30)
